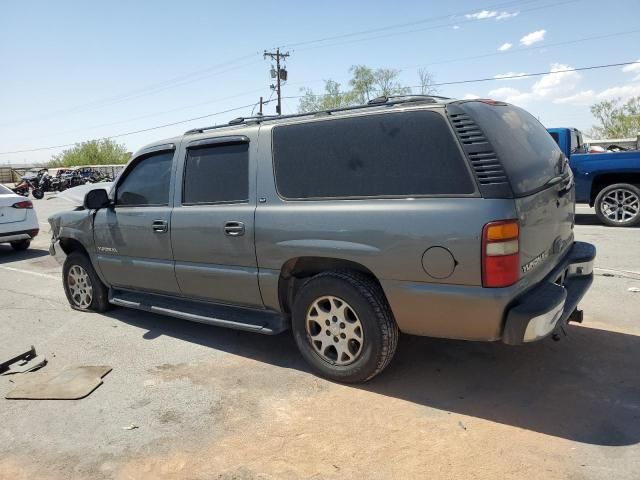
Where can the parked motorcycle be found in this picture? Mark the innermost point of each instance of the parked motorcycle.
(30, 183)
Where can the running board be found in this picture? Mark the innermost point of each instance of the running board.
(238, 318)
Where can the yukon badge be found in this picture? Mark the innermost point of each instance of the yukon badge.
(107, 249)
(527, 267)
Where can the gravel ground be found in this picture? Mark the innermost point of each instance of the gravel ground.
(215, 403)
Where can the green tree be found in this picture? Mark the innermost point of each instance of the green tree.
(365, 84)
(616, 119)
(93, 152)
(331, 98)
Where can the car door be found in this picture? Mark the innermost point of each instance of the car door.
(133, 236)
(213, 221)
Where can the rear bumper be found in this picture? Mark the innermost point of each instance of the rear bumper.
(18, 235)
(546, 307)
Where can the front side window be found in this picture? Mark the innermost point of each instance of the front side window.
(217, 174)
(396, 155)
(147, 184)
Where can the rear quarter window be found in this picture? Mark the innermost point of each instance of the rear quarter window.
(528, 153)
(393, 154)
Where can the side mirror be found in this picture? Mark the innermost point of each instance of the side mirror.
(96, 199)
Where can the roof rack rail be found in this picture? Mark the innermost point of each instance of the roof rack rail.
(405, 98)
(376, 102)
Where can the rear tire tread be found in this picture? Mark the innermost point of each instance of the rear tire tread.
(383, 315)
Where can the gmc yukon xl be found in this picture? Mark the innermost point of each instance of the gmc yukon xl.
(421, 215)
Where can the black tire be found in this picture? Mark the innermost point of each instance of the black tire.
(21, 245)
(99, 292)
(601, 205)
(367, 300)
(37, 194)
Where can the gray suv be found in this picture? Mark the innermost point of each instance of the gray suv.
(421, 215)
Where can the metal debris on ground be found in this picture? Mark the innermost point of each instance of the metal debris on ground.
(634, 289)
(131, 426)
(25, 362)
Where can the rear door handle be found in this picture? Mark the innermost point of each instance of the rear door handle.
(234, 229)
(160, 226)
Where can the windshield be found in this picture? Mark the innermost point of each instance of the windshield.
(529, 155)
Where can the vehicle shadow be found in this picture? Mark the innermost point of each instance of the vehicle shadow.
(8, 254)
(592, 219)
(583, 388)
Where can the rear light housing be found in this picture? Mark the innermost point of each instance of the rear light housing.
(34, 232)
(500, 253)
(23, 204)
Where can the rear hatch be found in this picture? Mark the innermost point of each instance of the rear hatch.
(539, 177)
(9, 214)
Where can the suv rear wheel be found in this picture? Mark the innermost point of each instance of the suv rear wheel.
(618, 205)
(344, 327)
(84, 289)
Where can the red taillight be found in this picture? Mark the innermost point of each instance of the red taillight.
(24, 204)
(500, 253)
(34, 232)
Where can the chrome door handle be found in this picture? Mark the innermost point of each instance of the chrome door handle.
(234, 229)
(160, 226)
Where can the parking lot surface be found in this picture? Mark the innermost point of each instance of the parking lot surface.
(214, 403)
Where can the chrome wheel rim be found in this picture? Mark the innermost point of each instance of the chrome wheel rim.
(80, 287)
(620, 205)
(334, 330)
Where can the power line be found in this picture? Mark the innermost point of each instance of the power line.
(495, 79)
(492, 54)
(434, 27)
(456, 82)
(133, 132)
(149, 90)
(406, 24)
(204, 73)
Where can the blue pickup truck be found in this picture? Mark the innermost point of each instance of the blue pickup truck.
(608, 181)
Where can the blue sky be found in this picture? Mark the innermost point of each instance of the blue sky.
(74, 70)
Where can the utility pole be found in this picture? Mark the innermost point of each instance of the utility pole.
(280, 74)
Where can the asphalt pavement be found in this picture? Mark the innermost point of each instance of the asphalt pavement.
(207, 402)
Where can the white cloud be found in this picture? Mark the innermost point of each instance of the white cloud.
(551, 86)
(533, 37)
(633, 68)
(589, 97)
(456, 27)
(482, 14)
(470, 96)
(510, 95)
(510, 76)
(556, 84)
(504, 47)
(505, 15)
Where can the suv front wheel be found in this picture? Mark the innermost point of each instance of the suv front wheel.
(344, 327)
(84, 289)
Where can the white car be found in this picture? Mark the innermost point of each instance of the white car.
(18, 220)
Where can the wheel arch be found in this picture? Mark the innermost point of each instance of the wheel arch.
(603, 180)
(70, 245)
(295, 271)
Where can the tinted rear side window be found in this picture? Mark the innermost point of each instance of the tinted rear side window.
(529, 155)
(216, 175)
(399, 154)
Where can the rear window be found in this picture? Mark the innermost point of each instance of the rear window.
(397, 154)
(529, 155)
(4, 190)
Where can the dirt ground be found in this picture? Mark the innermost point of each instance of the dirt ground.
(215, 403)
